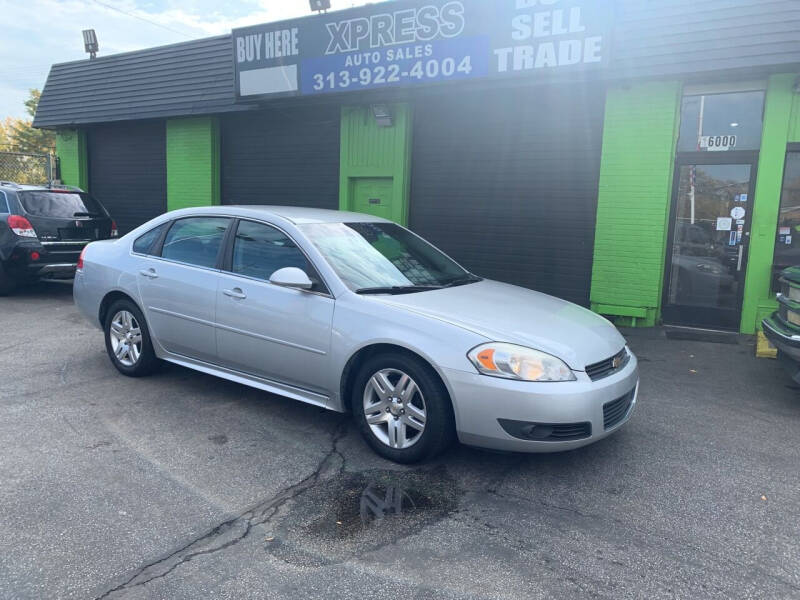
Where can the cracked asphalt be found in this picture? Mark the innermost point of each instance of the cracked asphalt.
(186, 486)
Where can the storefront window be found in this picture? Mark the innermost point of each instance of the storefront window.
(787, 240)
(721, 122)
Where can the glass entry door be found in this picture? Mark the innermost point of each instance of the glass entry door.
(709, 235)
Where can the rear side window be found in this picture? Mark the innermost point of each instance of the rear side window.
(144, 244)
(195, 241)
(60, 204)
(4, 203)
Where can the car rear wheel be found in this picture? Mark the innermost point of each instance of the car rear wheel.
(7, 285)
(128, 340)
(402, 409)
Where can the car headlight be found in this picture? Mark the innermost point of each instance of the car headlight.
(510, 361)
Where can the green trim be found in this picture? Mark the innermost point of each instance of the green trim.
(794, 122)
(633, 204)
(369, 151)
(621, 311)
(777, 113)
(192, 162)
(71, 150)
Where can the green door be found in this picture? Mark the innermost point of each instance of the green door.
(373, 195)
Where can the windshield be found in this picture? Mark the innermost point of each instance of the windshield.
(382, 255)
(60, 204)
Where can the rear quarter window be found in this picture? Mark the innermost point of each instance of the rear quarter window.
(144, 243)
(4, 203)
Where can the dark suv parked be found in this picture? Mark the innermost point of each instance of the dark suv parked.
(43, 230)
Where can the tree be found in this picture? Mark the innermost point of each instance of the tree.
(18, 135)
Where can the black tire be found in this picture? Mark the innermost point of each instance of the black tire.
(439, 430)
(146, 362)
(7, 285)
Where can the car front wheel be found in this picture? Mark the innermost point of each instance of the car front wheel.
(402, 408)
(128, 340)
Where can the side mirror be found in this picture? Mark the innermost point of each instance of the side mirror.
(291, 277)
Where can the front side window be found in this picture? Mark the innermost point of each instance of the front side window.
(259, 250)
(787, 239)
(195, 240)
(144, 243)
(721, 122)
(369, 256)
(62, 205)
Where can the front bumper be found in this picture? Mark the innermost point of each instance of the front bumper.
(782, 337)
(480, 401)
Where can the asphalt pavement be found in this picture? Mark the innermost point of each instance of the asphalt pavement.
(182, 485)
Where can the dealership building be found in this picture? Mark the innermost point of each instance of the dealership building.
(639, 157)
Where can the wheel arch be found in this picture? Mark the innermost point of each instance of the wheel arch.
(365, 352)
(109, 299)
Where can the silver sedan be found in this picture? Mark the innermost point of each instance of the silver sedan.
(357, 314)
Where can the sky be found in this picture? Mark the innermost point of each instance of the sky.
(39, 33)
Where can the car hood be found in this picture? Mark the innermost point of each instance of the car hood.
(506, 313)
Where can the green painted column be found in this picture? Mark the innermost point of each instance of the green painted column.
(777, 115)
(794, 122)
(73, 157)
(635, 187)
(192, 162)
(373, 157)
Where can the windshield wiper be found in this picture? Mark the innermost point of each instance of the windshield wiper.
(398, 289)
(463, 281)
(87, 214)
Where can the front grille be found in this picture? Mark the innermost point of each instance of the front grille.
(546, 432)
(616, 410)
(604, 368)
(790, 291)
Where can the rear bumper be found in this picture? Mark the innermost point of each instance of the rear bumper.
(43, 260)
(481, 403)
(55, 271)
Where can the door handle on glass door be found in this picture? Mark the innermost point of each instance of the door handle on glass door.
(235, 293)
(151, 273)
(739, 263)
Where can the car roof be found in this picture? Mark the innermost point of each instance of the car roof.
(297, 215)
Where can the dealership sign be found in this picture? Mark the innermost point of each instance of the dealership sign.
(404, 43)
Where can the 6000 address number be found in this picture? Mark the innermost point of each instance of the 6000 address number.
(380, 75)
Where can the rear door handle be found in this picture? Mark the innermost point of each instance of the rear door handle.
(235, 293)
(151, 273)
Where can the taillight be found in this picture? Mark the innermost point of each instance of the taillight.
(21, 226)
(80, 258)
(114, 230)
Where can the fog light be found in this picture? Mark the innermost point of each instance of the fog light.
(35, 255)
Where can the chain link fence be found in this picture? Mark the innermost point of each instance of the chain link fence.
(20, 167)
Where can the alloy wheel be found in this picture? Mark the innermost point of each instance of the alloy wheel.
(126, 338)
(394, 407)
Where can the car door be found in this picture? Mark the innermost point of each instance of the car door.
(272, 332)
(178, 285)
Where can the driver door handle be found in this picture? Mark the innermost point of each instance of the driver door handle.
(150, 273)
(235, 293)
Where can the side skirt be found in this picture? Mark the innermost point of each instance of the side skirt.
(268, 385)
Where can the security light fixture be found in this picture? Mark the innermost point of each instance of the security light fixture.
(320, 5)
(382, 114)
(90, 42)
